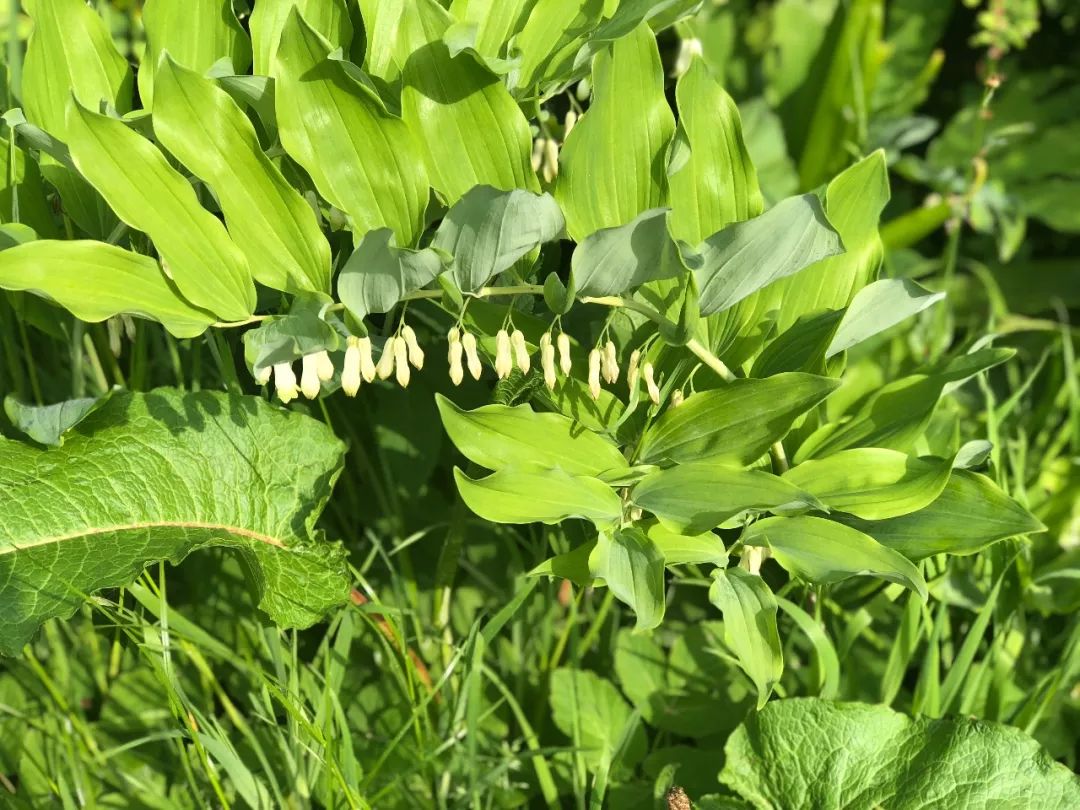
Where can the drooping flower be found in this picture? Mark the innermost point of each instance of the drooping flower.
(416, 354)
(551, 160)
(594, 373)
(386, 361)
(547, 360)
(285, 382)
(504, 362)
(610, 364)
(367, 362)
(472, 357)
(401, 360)
(453, 355)
(521, 351)
(632, 370)
(324, 366)
(262, 375)
(568, 123)
(648, 373)
(309, 375)
(564, 353)
(350, 370)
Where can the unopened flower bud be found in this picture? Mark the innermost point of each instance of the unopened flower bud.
(551, 160)
(547, 360)
(416, 354)
(594, 373)
(262, 375)
(309, 376)
(632, 369)
(568, 123)
(472, 357)
(350, 370)
(401, 360)
(386, 361)
(285, 382)
(324, 366)
(650, 383)
(564, 353)
(610, 364)
(521, 351)
(367, 362)
(537, 158)
(457, 373)
(677, 398)
(504, 363)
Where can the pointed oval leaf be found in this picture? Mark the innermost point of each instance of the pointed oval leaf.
(329, 17)
(614, 260)
(880, 306)
(379, 273)
(686, 549)
(225, 470)
(633, 568)
(270, 222)
(749, 609)
(95, 281)
(539, 496)
(151, 196)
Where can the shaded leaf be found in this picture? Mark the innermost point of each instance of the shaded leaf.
(685, 549)
(613, 260)
(591, 712)
(878, 307)
(379, 273)
(47, 424)
(633, 568)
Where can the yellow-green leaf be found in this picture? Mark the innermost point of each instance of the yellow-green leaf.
(329, 17)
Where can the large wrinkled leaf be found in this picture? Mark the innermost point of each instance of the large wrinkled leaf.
(823, 551)
(717, 185)
(613, 260)
(151, 196)
(268, 219)
(612, 166)
(329, 17)
(95, 281)
(701, 495)
(878, 307)
(470, 129)
(805, 753)
(633, 568)
(362, 159)
(872, 482)
(225, 470)
(970, 513)
(195, 33)
(746, 256)
(591, 712)
(738, 422)
(539, 496)
(749, 609)
(487, 230)
(500, 437)
(379, 273)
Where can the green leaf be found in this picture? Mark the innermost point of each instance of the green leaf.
(878, 307)
(854, 201)
(95, 281)
(789, 756)
(47, 424)
(872, 482)
(738, 422)
(196, 34)
(224, 470)
(539, 496)
(633, 568)
(487, 230)
(379, 273)
(591, 712)
(151, 196)
(826, 661)
(744, 257)
(613, 260)
(270, 222)
(550, 39)
(329, 17)
(499, 437)
(800, 348)
(970, 513)
(362, 160)
(488, 24)
(749, 609)
(573, 565)
(285, 338)
(612, 165)
(699, 496)
(717, 185)
(687, 549)
(22, 190)
(470, 129)
(823, 551)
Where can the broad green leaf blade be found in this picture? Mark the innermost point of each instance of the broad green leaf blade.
(47, 424)
(612, 165)
(800, 348)
(738, 422)
(685, 549)
(611, 261)
(95, 281)
(470, 129)
(823, 551)
(540, 496)
(224, 470)
(499, 437)
(550, 39)
(746, 256)
(872, 482)
(70, 53)
(491, 22)
(487, 230)
(970, 513)
(591, 712)
(285, 338)
(196, 34)
(717, 185)
(878, 307)
(790, 756)
(270, 222)
(633, 568)
(854, 201)
(151, 196)
(329, 17)
(379, 273)
(573, 565)
(362, 159)
(749, 609)
(699, 496)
